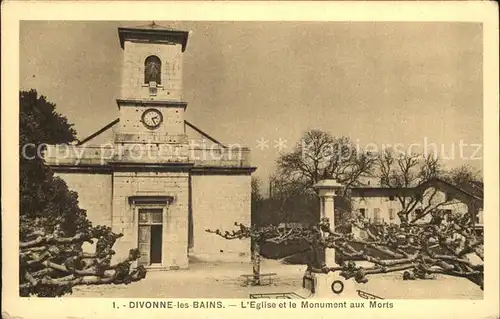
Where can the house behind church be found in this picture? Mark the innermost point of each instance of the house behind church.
(382, 204)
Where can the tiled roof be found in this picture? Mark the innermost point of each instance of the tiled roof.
(474, 190)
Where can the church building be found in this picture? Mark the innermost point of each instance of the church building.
(150, 174)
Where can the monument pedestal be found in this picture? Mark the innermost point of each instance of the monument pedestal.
(327, 190)
(329, 286)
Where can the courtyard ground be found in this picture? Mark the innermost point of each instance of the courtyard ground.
(222, 280)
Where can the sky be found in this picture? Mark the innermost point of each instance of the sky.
(379, 83)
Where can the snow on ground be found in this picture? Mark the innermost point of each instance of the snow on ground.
(222, 280)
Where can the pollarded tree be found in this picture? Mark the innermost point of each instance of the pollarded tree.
(437, 247)
(51, 264)
(53, 228)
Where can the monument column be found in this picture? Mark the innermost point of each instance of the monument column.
(329, 285)
(327, 190)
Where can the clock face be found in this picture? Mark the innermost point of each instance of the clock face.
(152, 118)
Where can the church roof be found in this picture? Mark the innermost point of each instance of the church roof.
(153, 32)
(476, 194)
(108, 126)
(99, 132)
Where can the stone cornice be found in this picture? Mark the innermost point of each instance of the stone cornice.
(152, 103)
(109, 168)
(172, 166)
(138, 199)
(92, 169)
(153, 35)
(214, 170)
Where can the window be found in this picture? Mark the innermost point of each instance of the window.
(391, 198)
(376, 215)
(480, 217)
(362, 211)
(152, 70)
(150, 216)
(391, 214)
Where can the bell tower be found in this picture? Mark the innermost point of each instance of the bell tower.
(150, 104)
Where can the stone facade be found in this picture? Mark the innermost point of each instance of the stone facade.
(213, 193)
(96, 200)
(174, 213)
(171, 70)
(152, 176)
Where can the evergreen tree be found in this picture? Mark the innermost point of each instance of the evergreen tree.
(53, 228)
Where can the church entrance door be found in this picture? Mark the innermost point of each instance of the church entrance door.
(156, 236)
(150, 236)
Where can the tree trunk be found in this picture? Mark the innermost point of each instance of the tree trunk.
(256, 262)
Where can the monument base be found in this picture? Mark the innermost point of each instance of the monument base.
(329, 286)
